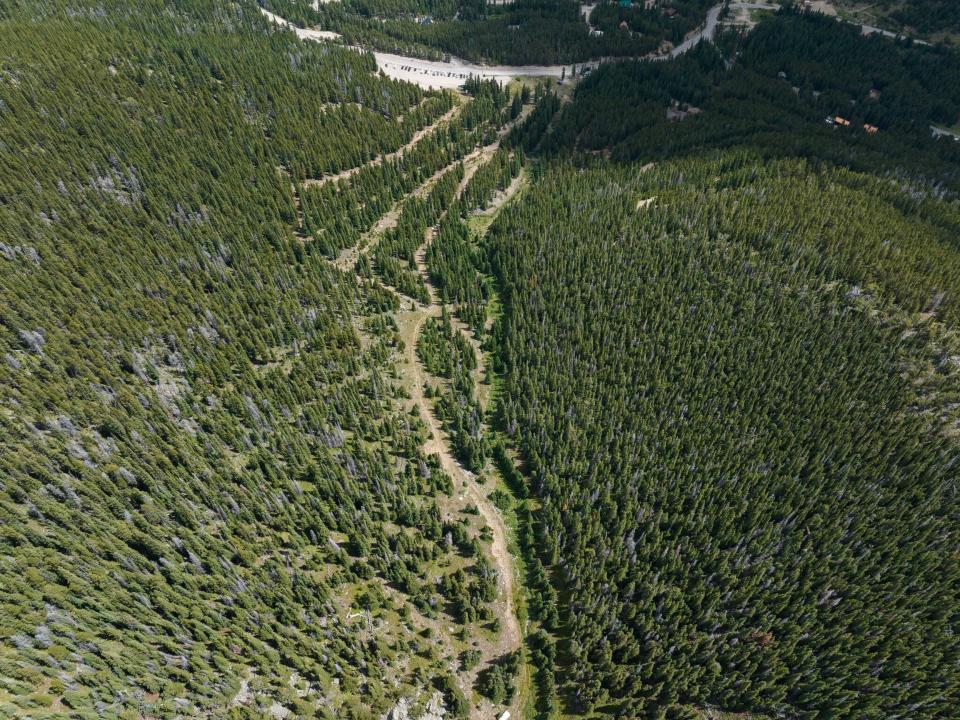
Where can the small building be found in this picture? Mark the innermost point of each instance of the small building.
(596, 33)
(871, 129)
(841, 121)
(505, 715)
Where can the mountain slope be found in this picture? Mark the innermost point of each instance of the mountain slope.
(212, 496)
(739, 443)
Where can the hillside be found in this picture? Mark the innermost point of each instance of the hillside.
(773, 90)
(216, 497)
(729, 358)
(742, 448)
(323, 395)
(933, 20)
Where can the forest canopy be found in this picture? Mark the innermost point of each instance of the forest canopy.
(213, 495)
(743, 504)
(520, 32)
(788, 75)
(323, 395)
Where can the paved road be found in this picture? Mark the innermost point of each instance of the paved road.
(870, 30)
(439, 74)
(434, 73)
(943, 132)
(709, 29)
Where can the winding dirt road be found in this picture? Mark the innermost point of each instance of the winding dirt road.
(410, 321)
(467, 489)
(387, 157)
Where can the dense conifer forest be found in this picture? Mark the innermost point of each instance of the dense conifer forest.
(213, 497)
(928, 16)
(773, 90)
(732, 380)
(741, 503)
(931, 19)
(323, 395)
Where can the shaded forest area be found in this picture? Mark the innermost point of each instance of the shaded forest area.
(928, 16)
(772, 90)
(929, 19)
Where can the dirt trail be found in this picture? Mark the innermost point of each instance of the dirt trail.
(380, 159)
(410, 320)
(467, 489)
(472, 161)
(348, 256)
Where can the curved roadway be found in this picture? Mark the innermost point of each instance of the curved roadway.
(439, 74)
